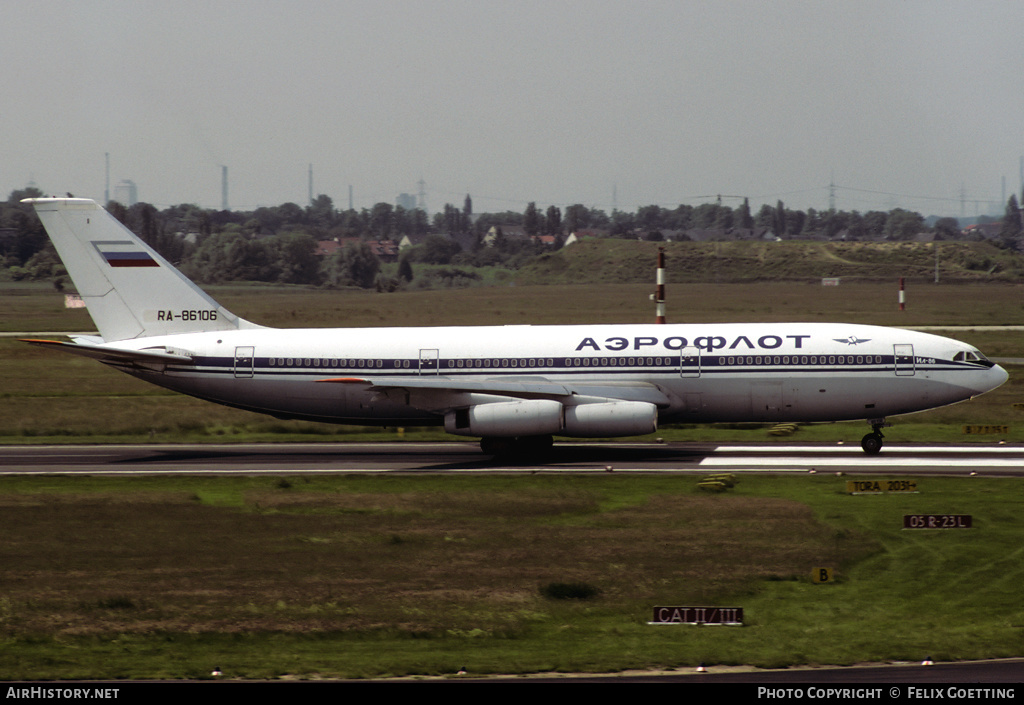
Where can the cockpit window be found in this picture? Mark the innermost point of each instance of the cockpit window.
(972, 356)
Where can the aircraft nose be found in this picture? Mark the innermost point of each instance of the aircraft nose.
(995, 378)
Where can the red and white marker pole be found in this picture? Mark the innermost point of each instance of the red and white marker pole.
(659, 292)
(903, 306)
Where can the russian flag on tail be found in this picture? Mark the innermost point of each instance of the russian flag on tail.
(124, 253)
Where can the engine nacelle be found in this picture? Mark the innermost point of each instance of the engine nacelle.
(614, 418)
(532, 417)
(544, 417)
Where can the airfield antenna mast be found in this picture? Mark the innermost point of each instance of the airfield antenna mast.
(659, 288)
(310, 184)
(224, 188)
(106, 189)
(832, 194)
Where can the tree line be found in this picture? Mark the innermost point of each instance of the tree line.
(280, 243)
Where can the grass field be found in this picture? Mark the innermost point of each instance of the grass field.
(739, 262)
(365, 577)
(35, 307)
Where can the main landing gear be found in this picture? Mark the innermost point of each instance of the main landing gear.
(872, 443)
(518, 446)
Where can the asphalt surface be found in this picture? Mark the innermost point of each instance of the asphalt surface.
(412, 457)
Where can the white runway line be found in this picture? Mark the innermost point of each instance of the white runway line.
(864, 462)
(854, 449)
(787, 458)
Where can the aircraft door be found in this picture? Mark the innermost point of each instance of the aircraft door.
(245, 358)
(429, 361)
(903, 359)
(689, 361)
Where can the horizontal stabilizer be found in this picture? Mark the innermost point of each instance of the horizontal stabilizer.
(115, 355)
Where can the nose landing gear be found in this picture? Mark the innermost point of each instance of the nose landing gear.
(872, 442)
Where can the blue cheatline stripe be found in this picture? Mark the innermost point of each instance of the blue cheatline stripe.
(405, 367)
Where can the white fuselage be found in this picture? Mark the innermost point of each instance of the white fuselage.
(691, 373)
(522, 383)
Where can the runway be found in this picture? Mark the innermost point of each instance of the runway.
(413, 457)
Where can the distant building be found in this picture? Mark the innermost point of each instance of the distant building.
(126, 193)
(987, 231)
(411, 240)
(510, 232)
(326, 248)
(406, 201)
(586, 234)
(384, 250)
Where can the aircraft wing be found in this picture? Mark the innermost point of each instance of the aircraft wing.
(108, 354)
(520, 388)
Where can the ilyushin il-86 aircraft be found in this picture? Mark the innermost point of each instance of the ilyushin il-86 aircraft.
(514, 387)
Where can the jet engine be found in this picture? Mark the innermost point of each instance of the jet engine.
(614, 418)
(545, 417)
(532, 417)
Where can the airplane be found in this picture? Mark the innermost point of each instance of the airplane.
(514, 387)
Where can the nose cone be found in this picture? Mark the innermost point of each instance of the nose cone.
(995, 377)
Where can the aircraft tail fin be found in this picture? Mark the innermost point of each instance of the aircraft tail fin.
(128, 288)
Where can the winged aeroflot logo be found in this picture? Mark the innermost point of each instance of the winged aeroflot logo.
(852, 340)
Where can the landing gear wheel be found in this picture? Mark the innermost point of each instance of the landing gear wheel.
(497, 446)
(871, 443)
(519, 447)
(534, 445)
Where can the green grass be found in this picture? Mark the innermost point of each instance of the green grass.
(36, 308)
(382, 576)
(614, 260)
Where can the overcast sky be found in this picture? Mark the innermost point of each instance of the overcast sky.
(609, 103)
